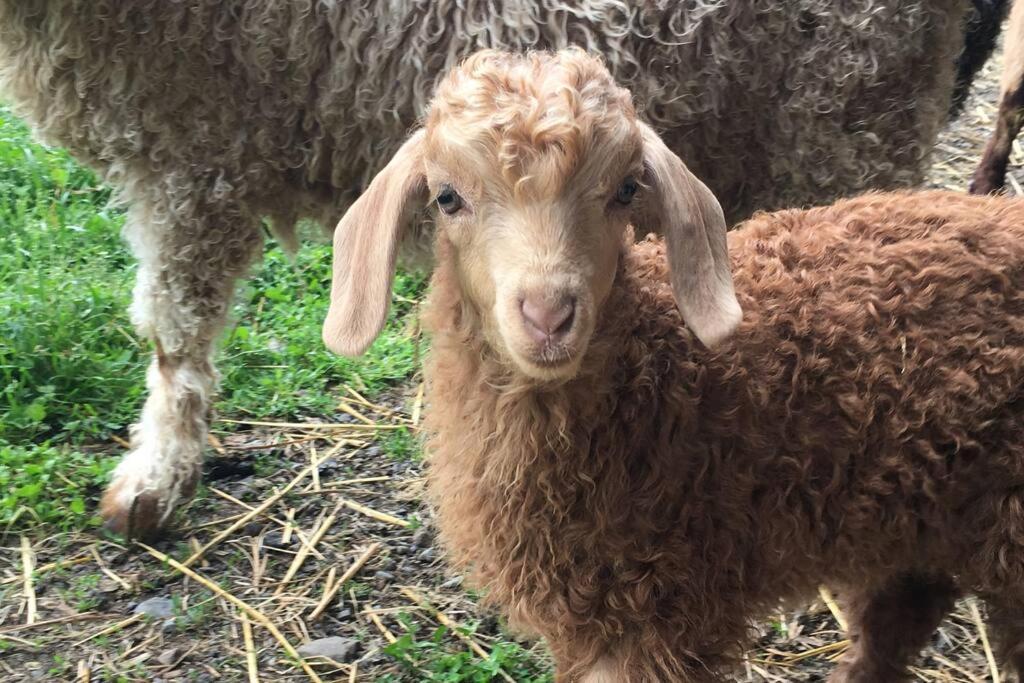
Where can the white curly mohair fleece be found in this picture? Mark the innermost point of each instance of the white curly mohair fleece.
(207, 115)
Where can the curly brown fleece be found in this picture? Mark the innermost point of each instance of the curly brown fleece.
(863, 428)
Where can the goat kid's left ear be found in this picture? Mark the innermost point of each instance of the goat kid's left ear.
(684, 210)
(365, 248)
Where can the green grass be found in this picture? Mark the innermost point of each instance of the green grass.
(71, 367)
(434, 655)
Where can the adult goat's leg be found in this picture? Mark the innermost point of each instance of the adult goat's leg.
(990, 174)
(189, 260)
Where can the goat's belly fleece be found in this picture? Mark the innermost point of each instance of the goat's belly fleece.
(866, 419)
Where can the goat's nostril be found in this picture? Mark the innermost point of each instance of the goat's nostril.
(545, 320)
(567, 314)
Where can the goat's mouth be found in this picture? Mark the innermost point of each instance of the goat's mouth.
(553, 357)
(549, 362)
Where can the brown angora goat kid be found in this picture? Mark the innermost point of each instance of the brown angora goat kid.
(632, 471)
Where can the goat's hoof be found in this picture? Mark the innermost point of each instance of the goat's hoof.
(985, 183)
(138, 501)
(133, 516)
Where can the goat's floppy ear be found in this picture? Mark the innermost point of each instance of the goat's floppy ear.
(365, 248)
(685, 211)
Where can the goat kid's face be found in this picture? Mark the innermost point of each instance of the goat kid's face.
(534, 166)
(535, 254)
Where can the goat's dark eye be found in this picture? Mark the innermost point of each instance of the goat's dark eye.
(624, 195)
(448, 200)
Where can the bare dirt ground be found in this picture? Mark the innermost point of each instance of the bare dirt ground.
(317, 529)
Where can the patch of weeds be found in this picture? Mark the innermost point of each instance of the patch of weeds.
(415, 522)
(116, 673)
(267, 463)
(81, 592)
(68, 363)
(438, 656)
(60, 666)
(359, 589)
(199, 612)
(49, 485)
(400, 444)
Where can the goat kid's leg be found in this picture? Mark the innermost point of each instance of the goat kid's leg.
(990, 174)
(612, 669)
(604, 671)
(891, 625)
(186, 278)
(1006, 625)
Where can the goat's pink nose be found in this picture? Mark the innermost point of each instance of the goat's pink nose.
(548, 319)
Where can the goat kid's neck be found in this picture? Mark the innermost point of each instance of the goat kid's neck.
(616, 396)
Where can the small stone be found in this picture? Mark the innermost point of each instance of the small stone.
(240, 490)
(275, 539)
(344, 613)
(373, 451)
(100, 600)
(158, 608)
(383, 577)
(252, 529)
(169, 625)
(422, 537)
(454, 582)
(333, 647)
(168, 657)
(428, 554)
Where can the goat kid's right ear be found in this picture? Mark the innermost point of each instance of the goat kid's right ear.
(365, 248)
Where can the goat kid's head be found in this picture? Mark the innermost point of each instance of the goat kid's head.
(534, 166)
